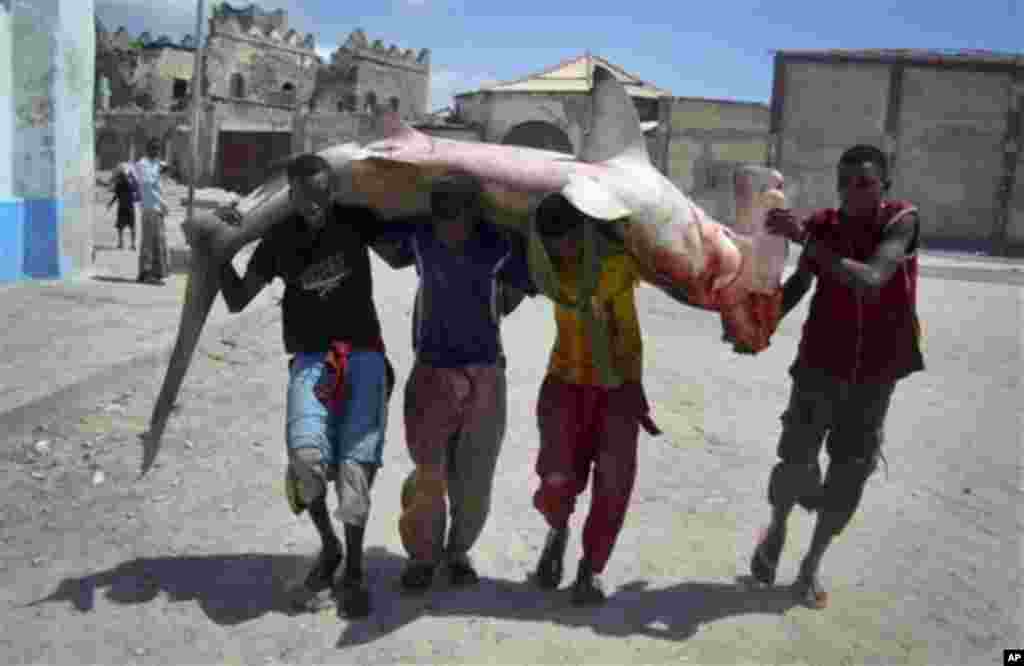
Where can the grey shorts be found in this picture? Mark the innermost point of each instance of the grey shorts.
(851, 416)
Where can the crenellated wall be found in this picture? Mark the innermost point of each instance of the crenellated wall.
(255, 57)
(360, 72)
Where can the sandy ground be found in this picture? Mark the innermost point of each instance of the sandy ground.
(192, 564)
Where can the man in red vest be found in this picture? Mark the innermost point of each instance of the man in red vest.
(861, 337)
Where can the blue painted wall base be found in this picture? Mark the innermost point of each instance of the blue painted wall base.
(12, 239)
(30, 240)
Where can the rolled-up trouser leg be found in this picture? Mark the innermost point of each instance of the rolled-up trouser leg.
(310, 471)
(353, 487)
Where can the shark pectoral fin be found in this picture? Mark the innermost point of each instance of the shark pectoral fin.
(592, 198)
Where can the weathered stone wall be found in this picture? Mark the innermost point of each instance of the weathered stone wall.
(265, 68)
(825, 110)
(501, 113)
(121, 136)
(947, 130)
(1015, 227)
(950, 148)
(709, 140)
(121, 68)
(335, 90)
(385, 81)
(316, 131)
(157, 71)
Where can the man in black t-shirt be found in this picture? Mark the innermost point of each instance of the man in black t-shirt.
(339, 377)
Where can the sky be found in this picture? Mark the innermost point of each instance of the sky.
(720, 49)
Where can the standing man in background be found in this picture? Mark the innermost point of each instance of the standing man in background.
(154, 259)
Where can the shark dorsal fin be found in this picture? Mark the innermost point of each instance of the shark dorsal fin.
(614, 122)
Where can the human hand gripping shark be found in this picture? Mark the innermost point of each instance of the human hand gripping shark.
(679, 248)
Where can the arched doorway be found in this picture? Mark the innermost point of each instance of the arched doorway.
(539, 134)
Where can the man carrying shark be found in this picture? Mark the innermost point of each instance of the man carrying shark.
(340, 380)
(611, 185)
(589, 426)
(471, 276)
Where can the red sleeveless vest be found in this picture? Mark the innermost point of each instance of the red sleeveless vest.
(851, 336)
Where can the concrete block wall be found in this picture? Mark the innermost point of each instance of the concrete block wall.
(949, 160)
(47, 50)
(826, 109)
(708, 140)
(947, 130)
(1015, 228)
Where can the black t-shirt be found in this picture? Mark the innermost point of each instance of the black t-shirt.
(328, 286)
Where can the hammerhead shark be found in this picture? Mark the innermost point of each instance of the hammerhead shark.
(612, 182)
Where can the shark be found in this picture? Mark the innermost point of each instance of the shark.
(612, 182)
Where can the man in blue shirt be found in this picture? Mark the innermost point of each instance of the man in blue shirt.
(154, 260)
(471, 275)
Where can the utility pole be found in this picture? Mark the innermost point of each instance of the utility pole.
(197, 79)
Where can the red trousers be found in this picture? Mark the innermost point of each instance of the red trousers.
(583, 427)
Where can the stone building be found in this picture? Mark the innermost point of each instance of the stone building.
(950, 122)
(260, 81)
(151, 74)
(697, 143)
(368, 77)
(253, 57)
(548, 109)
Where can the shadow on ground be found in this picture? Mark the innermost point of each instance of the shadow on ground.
(120, 280)
(232, 589)
(674, 613)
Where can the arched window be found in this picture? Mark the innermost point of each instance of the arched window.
(353, 74)
(371, 102)
(237, 85)
(350, 103)
(288, 94)
(341, 106)
(394, 103)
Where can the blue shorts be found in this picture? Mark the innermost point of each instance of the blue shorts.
(357, 433)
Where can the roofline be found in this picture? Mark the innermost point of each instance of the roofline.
(177, 47)
(716, 100)
(664, 95)
(977, 63)
(563, 63)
